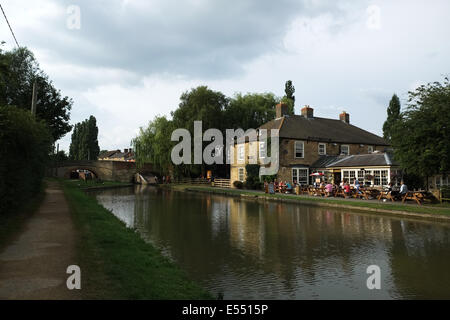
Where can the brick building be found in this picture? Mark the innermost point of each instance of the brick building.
(308, 144)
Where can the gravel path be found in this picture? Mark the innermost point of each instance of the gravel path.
(34, 265)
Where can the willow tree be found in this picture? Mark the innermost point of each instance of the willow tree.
(153, 145)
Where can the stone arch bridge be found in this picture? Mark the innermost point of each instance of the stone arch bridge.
(104, 170)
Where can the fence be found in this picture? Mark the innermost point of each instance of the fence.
(222, 183)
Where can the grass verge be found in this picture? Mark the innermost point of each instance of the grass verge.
(361, 204)
(116, 262)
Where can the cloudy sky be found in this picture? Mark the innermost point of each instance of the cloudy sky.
(126, 61)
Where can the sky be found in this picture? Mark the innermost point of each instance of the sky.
(126, 61)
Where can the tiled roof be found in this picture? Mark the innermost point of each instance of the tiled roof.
(359, 160)
(322, 129)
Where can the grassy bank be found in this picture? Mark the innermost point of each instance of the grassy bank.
(115, 261)
(12, 222)
(386, 207)
(95, 184)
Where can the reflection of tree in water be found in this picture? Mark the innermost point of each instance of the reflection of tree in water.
(420, 260)
(254, 249)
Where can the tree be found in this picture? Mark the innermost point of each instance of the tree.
(153, 144)
(203, 104)
(289, 98)
(393, 116)
(84, 144)
(250, 111)
(421, 138)
(19, 71)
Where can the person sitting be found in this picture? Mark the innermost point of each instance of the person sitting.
(403, 189)
(329, 189)
(288, 187)
(347, 189)
(281, 186)
(357, 186)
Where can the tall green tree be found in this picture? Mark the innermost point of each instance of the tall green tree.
(393, 117)
(84, 144)
(153, 144)
(18, 71)
(289, 97)
(250, 110)
(421, 139)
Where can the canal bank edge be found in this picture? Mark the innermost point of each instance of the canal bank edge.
(113, 257)
(440, 217)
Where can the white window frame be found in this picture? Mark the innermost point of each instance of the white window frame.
(348, 149)
(241, 172)
(262, 146)
(324, 153)
(370, 149)
(241, 152)
(296, 174)
(303, 149)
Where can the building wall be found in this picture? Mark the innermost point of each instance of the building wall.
(288, 160)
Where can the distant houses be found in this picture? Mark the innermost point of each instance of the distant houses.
(117, 155)
(332, 147)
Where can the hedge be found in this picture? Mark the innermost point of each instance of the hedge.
(25, 144)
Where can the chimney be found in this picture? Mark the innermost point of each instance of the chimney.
(344, 116)
(308, 112)
(281, 110)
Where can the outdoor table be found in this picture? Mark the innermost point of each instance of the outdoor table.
(417, 196)
(386, 195)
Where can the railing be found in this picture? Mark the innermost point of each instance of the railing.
(222, 183)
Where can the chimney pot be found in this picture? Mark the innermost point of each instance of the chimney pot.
(307, 112)
(345, 117)
(281, 110)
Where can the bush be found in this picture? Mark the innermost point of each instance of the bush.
(238, 184)
(252, 182)
(25, 145)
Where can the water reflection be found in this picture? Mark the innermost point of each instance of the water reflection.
(269, 250)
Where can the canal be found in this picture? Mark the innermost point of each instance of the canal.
(245, 249)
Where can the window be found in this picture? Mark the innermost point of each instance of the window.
(345, 176)
(299, 149)
(361, 176)
(384, 177)
(345, 149)
(241, 153)
(370, 149)
(322, 149)
(376, 177)
(241, 174)
(300, 176)
(352, 177)
(262, 149)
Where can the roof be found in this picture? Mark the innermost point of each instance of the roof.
(322, 129)
(358, 160)
(107, 154)
(324, 161)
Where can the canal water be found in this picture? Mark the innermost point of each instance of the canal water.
(247, 249)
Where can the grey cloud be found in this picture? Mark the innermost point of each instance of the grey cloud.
(212, 40)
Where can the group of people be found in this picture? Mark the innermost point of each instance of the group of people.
(330, 188)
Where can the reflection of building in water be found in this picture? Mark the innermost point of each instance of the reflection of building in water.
(245, 227)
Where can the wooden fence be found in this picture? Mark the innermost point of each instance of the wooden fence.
(222, 183)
